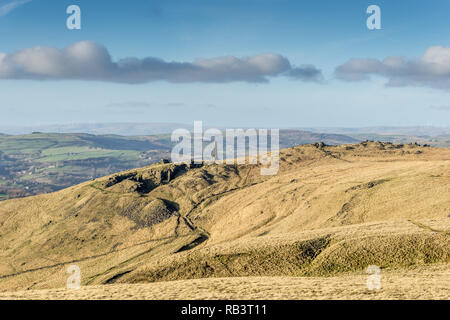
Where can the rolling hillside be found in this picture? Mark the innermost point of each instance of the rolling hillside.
(329, 213)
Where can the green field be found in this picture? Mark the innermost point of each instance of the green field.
(45, 162)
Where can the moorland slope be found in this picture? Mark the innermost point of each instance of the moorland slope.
(331, 211)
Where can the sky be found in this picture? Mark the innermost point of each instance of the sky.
(249, 63)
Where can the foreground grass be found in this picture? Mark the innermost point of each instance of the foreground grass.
(431, 282)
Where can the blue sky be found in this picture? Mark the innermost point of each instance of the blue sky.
(322, 36)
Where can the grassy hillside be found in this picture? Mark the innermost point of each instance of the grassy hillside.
(330, 211)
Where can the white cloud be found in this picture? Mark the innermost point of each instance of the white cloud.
(7, 8)
(89, 61)
(432, 69)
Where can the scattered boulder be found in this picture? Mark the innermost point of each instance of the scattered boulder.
(320, 145)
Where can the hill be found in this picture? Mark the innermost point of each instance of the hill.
(330, 212)
(434, 136)
(156, 128)
(45, 162)
(417, 131)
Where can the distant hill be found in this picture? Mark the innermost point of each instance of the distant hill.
(435, 136)
(138, 129)
(45, 162)
(291, 138)
(442, 141)
(418, 131)
(124, 129)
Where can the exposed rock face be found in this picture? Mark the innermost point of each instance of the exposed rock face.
(146, 181)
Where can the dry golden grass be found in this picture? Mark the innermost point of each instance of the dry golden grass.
(421, 283)
(330, 211)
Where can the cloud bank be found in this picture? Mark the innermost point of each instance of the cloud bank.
(431, 70)
(306, 72)
(7, 8)
(87, 60)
